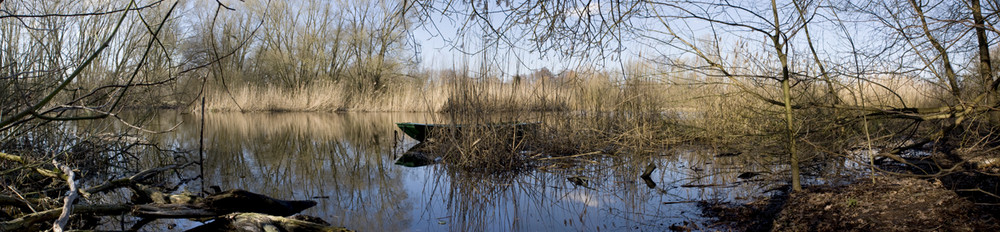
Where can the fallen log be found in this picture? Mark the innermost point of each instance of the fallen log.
(223, 203)
(34, 221)
(172, 211)
(256, 222)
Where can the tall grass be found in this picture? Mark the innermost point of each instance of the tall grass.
(638, 111)
(588, 114)
(322, 97)
(582, 91)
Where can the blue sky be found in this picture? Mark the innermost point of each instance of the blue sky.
(443, 45)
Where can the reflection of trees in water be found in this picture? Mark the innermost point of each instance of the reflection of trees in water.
(613, 198)
(751, 174)
(345, 159)
(341, 160)
(476, 201)
(719, 175)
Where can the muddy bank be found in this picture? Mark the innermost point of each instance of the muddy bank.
(885, 204)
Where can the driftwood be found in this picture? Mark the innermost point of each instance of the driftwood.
(255, 222)
(40, 210)
(68, 202)
(27, 222)
(147, 202)
(233, 203)
(237, 210)
(224, 203)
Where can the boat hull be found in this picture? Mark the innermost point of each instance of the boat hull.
(421, 132)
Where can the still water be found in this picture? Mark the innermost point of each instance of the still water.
(345, 162)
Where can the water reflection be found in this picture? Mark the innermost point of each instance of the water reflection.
(345, 162)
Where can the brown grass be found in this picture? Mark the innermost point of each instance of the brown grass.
(323, 96)
(637, 112)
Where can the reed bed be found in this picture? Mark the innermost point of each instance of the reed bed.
(322, 97)
(636, 112)
(589, 115)
(588, 91)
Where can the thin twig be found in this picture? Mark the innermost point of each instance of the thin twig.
(100, 13)
(981, 191)
(103, 114)
(22, 199)
(572, 156)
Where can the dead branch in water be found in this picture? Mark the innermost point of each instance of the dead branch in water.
(264, 222)
(231, 201)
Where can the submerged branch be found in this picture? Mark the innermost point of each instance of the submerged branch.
(132, 180)
(572, 156)
(264, 222)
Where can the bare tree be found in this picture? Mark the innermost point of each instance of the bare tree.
(767, 52)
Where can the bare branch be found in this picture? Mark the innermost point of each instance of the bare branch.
(127, 8)
(71, 195)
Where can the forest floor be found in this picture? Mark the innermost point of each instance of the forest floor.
(882, 204)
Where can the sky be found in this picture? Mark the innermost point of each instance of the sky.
(443, 45)
(440, 44)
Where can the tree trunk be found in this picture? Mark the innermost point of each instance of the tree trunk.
(786, 92)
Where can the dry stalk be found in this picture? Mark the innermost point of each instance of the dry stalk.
(22, 199)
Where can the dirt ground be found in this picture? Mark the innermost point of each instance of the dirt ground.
(887, 204)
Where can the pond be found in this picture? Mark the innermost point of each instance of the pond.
(345, 162)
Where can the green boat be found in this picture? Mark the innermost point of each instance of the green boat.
(420, 131)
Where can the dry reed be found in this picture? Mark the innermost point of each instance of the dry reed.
(321, 97)
(637, 112)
